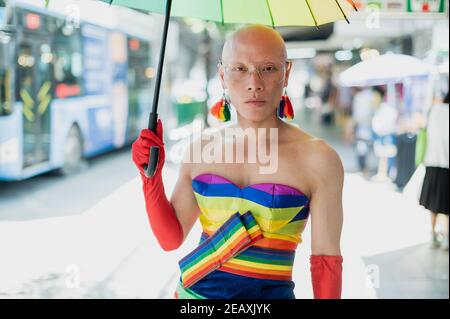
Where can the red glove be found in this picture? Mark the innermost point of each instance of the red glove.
(162, 217)
(326, 275)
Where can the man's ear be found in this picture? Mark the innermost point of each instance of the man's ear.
(221, 72)
(288, 73)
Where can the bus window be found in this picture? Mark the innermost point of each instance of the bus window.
(140, 74)
(140, 71)
(5, 76)
(34, 91)
(3, 18)
(67, 61)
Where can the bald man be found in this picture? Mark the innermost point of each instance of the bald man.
(305, 162)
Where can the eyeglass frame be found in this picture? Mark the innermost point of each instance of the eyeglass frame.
(287, 62)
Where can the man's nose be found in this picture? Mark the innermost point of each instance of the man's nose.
(255, 82)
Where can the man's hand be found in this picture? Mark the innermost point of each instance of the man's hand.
(141, 150)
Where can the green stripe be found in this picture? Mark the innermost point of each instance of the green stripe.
(221, 12)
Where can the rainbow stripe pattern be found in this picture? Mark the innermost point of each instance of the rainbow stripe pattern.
(221, 110)
(286, 110)
(249, 231)
(234, 236)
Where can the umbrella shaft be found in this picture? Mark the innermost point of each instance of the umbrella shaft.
(153, 119)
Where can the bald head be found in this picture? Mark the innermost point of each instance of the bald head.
(254, 42)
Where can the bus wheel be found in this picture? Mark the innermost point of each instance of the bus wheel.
(73, 152)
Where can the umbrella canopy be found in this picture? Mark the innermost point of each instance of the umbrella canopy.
(384, 69)
(268, 12)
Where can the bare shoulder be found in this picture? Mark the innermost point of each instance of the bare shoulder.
(322, 157)
(325, 166)
(318, 158)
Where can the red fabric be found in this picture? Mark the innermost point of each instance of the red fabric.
(162, 217)
(326, 275)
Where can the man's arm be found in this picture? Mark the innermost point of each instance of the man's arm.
(183, 198)
(326, 221)
(326, 201)
(170, 222)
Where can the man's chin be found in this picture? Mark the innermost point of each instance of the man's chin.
(255, 116)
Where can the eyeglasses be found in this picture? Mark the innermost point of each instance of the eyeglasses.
(270, 72)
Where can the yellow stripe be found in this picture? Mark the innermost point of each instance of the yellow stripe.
(29, 115)
(214, 218)
(295, 238)
(224, 204)
(296, 227)
(291, 238)
(44, 90)
(254, 229)
(26, 98)
(259, 265)
(217, 253)
(44, 104)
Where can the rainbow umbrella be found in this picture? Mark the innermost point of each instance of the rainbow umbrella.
(275, 13)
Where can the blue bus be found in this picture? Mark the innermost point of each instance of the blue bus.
(75, 82)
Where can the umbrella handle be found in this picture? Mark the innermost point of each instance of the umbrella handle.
(150, 169)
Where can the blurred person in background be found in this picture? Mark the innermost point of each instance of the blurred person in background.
(384, 125)
(435, 189)
(328, 97)
(363, 109)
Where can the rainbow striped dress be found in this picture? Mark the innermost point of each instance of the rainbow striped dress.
(247, 247)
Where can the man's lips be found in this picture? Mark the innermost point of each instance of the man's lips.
(256, 102)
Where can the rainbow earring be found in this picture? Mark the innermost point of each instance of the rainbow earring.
(221, 110)
(285, 110)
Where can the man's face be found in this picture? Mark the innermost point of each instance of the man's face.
(255, 71)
